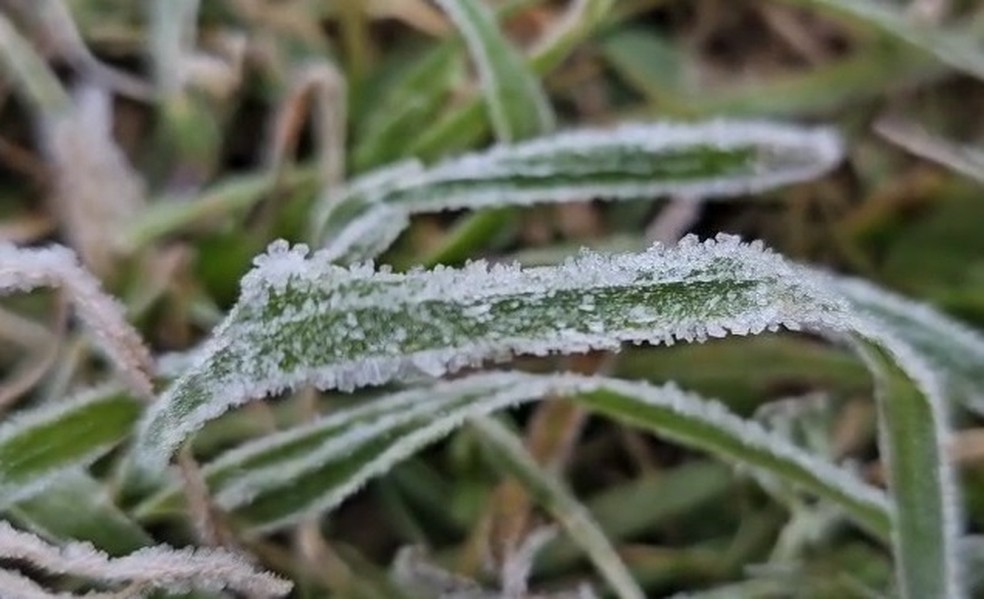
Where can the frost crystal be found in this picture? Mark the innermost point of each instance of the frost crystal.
(292, 323)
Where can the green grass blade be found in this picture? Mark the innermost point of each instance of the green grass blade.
(510, 454)
(955, 48)
(518, 107)
(39, 444)
(410, 104)
(465, 126)
(274, 481)
(76, 506)
(34, 78)
(303, 321)
(954, 350)
(912, 446)
(710, 160)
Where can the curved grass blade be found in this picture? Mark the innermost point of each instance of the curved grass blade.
(518, 107)
(39, 444)
(712, 159)
(274, 481)
(559, 501)
(954, 350)
(301, 321)
(413, 101)
(912, 436)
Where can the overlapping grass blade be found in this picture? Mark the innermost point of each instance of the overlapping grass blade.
(953, 350)
(560, 502)
(956, 48)
(274, 481)
(303, 321)
(39, 444)
(708, 160)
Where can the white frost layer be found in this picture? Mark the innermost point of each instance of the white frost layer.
(450, 404)
(784, 154)
(237, 365)
(23, 270)
(23, 422)
(160, 567)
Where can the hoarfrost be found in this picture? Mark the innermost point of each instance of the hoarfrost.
(160, 567)
(23, 270)
(290, 326)
(22, 423)
(410, 420)
(627, 162)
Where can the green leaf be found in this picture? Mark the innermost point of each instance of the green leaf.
(518, 107)
(415, 99)
(39, 444)
(466, 125)
(697, 161)
(953, 350)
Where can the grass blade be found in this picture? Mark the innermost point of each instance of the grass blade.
(277, 480)
(518, 106)
(957, 49)
(714, 159)
(954, 350)
(561, 503)
(303, 321)
(912, 444)
(38, 445)
(75, 506)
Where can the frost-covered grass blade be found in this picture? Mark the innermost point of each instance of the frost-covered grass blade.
(708, 160)
(954, 350)
(912, 438)
(39, 444)
(282, 478)
(76, 506)
(159, 567)
(308, 321)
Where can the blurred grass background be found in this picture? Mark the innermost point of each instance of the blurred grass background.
(169, 141)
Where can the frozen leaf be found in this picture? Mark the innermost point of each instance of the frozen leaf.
(96, 190)
(160, 567)
(38, 445)
(698, 161)
(305, 320)
(954, 350)
(22, 270)
(282, 478)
